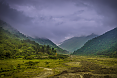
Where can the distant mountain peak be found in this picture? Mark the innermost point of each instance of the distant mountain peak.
(75, 43)
(40, 41)
(105, 44)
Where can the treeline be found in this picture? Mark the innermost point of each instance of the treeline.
(44, 41)
(41, 41)
(105, 44)
(112, 52)
(13, 47)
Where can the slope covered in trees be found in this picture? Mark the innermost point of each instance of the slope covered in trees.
(12, 47)
(13, 31)
(105, 44)
(21, 36)
(75, 43)
(45, 41)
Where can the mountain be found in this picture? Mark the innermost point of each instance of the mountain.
(75, 43)
(13, 47)
(45, 41)
(105, 44)
(12, 30)
(40, 41)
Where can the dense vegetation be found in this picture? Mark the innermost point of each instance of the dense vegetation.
(12, 47)
(21, 36)
(44, 41)
(75, 43)
(105, 44)
(71, 67)
(22, 57)
(19, 55)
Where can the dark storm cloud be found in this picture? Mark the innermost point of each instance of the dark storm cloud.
(12, 16)
(60, 19)
(108, 9)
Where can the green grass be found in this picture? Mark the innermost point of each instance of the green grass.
(12, 68)
(21, 68)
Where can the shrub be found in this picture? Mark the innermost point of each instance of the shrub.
(31, 63)
(52, 57)
(28, 57)
(47, 62)
(62, 56)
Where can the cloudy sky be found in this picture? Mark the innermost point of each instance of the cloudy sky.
(58, 20)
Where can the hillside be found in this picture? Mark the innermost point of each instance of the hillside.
(13, 47)
(40, 41)
(45, 41)
(12, 30)
(105, 44)
(75, 43)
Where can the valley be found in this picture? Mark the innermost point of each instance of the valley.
(27, 57)
(58, 38)
(75, 43)
(71, 67)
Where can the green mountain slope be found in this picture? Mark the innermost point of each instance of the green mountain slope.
(105, 44)
(40, 41)
(75, 43)
(6, 26)
(45, 41)
(12, 47)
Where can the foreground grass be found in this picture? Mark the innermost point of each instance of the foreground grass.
(20, 68)
(90, 67)
(105, 61)
(17, 68)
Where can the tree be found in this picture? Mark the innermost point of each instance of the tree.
(42, 49)
(7, 53)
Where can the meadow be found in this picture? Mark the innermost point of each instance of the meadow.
(80, 66)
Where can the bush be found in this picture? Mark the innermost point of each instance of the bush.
(28, 57)
(53, 57)
(47, 62)
(18, 66)
(62, 56)
(31, 63)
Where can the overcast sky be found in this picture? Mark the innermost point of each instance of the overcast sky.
(58, 20)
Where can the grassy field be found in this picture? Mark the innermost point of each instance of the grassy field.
(20, 68)
(17, 68)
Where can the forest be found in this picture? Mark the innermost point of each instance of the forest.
(24, 57)
(12, 47)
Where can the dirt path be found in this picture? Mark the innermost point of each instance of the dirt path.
(45, 73)
(73, 64)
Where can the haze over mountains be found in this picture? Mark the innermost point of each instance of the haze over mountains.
(75, 43)
(40, 41)
(45, 41)
(59, 19)
(105, 44)
(30, 31)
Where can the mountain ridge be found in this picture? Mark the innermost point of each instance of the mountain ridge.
(104, 44)
(40, 41)
(75, 43)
